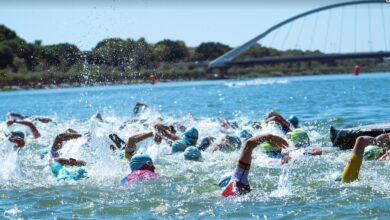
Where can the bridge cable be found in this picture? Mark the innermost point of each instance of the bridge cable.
(300, 32)
(288, 33)
(369, 29)
(355, 27)
(341, 29)
(274, 37)
(327, 29)
(384, 29)
(314, 30)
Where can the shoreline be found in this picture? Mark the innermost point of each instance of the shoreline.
(11, 88)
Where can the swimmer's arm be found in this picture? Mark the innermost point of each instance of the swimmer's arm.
(139, 137)
(165, 131)
(64, 137)
(316, 151)
(32, 127)
(44, 120)
(18, 141)
(253, 142)
(70, 162)
(385, 156)
(279, 120)
(17, 115)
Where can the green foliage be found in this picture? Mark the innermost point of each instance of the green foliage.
(6, 56)
(6, 33)
(64, 55)
(170, 51)
(210, 50)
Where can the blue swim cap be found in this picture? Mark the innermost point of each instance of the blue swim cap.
(233, 141)
(245, 134)
(191, 136)
(225, 179)
(137, 161)
(192, 153)
(55, 167)
(18, 133)
(77, 174)
(178, 146)
(294, 121)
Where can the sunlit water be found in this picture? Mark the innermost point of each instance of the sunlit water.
(302, 189)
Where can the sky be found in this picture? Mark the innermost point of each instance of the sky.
(85, 23)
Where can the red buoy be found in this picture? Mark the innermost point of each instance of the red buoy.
(357, 70)
(152, 79)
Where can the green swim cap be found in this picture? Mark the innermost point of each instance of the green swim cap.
(371, 152)
(269, 148)
(300, 138)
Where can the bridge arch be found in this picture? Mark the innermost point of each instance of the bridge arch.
(222, 61)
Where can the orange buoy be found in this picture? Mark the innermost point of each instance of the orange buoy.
(152, 79)
(357, 70)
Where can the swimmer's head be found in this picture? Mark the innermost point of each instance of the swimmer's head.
(268, 148)
(371, 152)
(192, 153)
(18, 134)
(55, 167)
(294, 121)
(178, 146)
(141, 161)
(205, 143)
(233, 142)
(300, 138)
(245, 134)
(225, 179)
(191, 136)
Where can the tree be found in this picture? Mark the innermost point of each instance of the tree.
(210, 50)
(6, 56)
(170, 51)
(6, 33)
(64, 55)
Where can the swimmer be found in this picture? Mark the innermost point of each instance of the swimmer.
(287, 125)
(239, 184)
(228, 127)
(374, 148)
(301, 140)
(130, 147)
(57, 163)
(139, 107)
(32, 127)
(69, 134)
(61, 173)
(142, 168)
(16, 138)
(189, 138)
(227, 144)
(17, 116)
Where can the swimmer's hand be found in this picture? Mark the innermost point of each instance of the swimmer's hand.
(285, 159)
(157, 138)
(275, 141)
(74, 162)
(9, 123)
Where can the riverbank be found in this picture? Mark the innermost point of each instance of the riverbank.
(234, 73)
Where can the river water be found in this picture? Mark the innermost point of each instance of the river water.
(303, 188)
